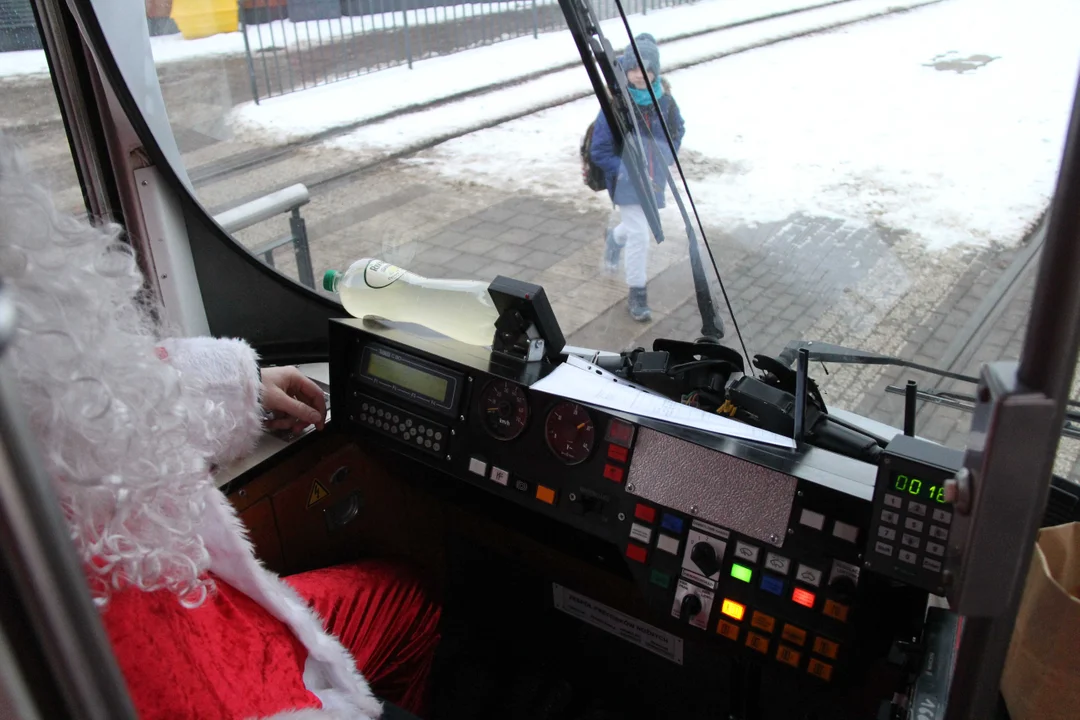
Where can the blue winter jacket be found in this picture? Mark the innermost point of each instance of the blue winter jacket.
(657, 154)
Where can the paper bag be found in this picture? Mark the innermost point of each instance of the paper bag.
(1041, 680)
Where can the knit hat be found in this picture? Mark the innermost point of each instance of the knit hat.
(650, 54)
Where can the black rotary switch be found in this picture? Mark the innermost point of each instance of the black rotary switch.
(704, 556)
(691, 606)
(842, 587)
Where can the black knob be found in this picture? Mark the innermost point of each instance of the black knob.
(691, 606)
(704, 556)
(842, 587)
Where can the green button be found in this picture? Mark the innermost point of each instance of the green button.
(659, 578)
(741, 572)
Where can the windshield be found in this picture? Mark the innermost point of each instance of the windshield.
(870, 173)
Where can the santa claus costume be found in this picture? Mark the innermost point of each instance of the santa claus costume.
(130, 426)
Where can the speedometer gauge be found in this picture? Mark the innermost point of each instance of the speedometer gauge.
(570, 432)
(504, 409)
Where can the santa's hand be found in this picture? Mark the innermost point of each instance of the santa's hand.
(292, 400)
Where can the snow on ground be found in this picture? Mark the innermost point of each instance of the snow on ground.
(897, 121)
(280, 33)
(342, 103)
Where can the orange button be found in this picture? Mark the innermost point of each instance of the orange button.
(826, 647)
(617, 453)
(728, 630)
(545, 494)
(836, 610)
(757, 642)
(613, 473)
(819, 669)
(636, 552)
(788, 656)
(794, 635)
(763, 622)
(645, 513)
(733, 609)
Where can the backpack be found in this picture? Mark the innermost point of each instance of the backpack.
(591, 173)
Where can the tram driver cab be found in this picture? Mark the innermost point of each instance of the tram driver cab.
(225, 496)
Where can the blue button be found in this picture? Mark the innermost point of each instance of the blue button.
(772, 584)
(672, 523)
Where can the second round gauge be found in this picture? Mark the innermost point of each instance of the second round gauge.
(570, 432)
(504, 409)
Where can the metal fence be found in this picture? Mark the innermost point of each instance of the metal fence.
(296, 44)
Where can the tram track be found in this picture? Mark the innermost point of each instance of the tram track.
(318, 182)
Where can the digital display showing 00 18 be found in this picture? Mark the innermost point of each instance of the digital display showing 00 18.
(911, 485)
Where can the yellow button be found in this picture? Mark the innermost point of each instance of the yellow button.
(763, 622)
(836, 610)
(728, 630)
(786, 655)
(733, 609)
(794, 635)
(819, 669)
(826, 647)
(757, 642)
(545, 494)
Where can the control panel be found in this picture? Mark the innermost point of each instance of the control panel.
(911, 522)
(764, 560)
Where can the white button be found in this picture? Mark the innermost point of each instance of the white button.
(809, 518)
(938, 532)
(809, 575)
(641, 533)
(777, 563)
(883, 548)
(668, 544)
(913, 524)
(887, 533)
(916, 508)
(500, 476)
(476, 466)
(942, 516)
(845, 532)
(908, 557)
(893, 501)
(910, 541)
(890, 517)
(746, 551)
(935, 549)
(931, 565)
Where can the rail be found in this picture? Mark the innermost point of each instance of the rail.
(287, 200)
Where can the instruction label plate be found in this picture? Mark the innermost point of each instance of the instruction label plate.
(611, 620)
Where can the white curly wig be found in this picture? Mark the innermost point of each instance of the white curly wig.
(112, 420)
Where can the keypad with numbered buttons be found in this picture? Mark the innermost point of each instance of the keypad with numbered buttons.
(909, 539)
(409, 428)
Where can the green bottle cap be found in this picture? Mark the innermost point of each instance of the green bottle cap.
(329, 279)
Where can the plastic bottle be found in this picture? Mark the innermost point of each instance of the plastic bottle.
(461, 309)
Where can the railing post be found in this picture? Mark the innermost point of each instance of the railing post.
(408, 47)
(300, 245)
(247, 51)
(536, 21)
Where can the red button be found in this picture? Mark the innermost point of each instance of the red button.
(617, 453)
(613, 473)
(635, 552)
(620, 432)
(645, 513)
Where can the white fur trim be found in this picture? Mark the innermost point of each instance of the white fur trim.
(330, 671)
(225, 372)
(312, 714)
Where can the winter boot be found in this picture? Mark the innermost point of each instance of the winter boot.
(612, 252)
(639, 305)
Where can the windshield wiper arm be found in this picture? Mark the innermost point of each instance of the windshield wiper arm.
(827, 352)
(609, 84)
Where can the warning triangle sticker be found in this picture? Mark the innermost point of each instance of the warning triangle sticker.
(318, 492)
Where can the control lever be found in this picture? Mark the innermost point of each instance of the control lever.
(704, 556)
(691, 606)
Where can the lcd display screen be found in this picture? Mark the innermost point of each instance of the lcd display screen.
(407, 377)
(926, 490)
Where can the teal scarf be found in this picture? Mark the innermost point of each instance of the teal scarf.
(641, 97)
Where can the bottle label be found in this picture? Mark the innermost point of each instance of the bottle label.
(379, 274)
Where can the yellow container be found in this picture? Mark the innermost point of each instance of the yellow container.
(202, 18)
